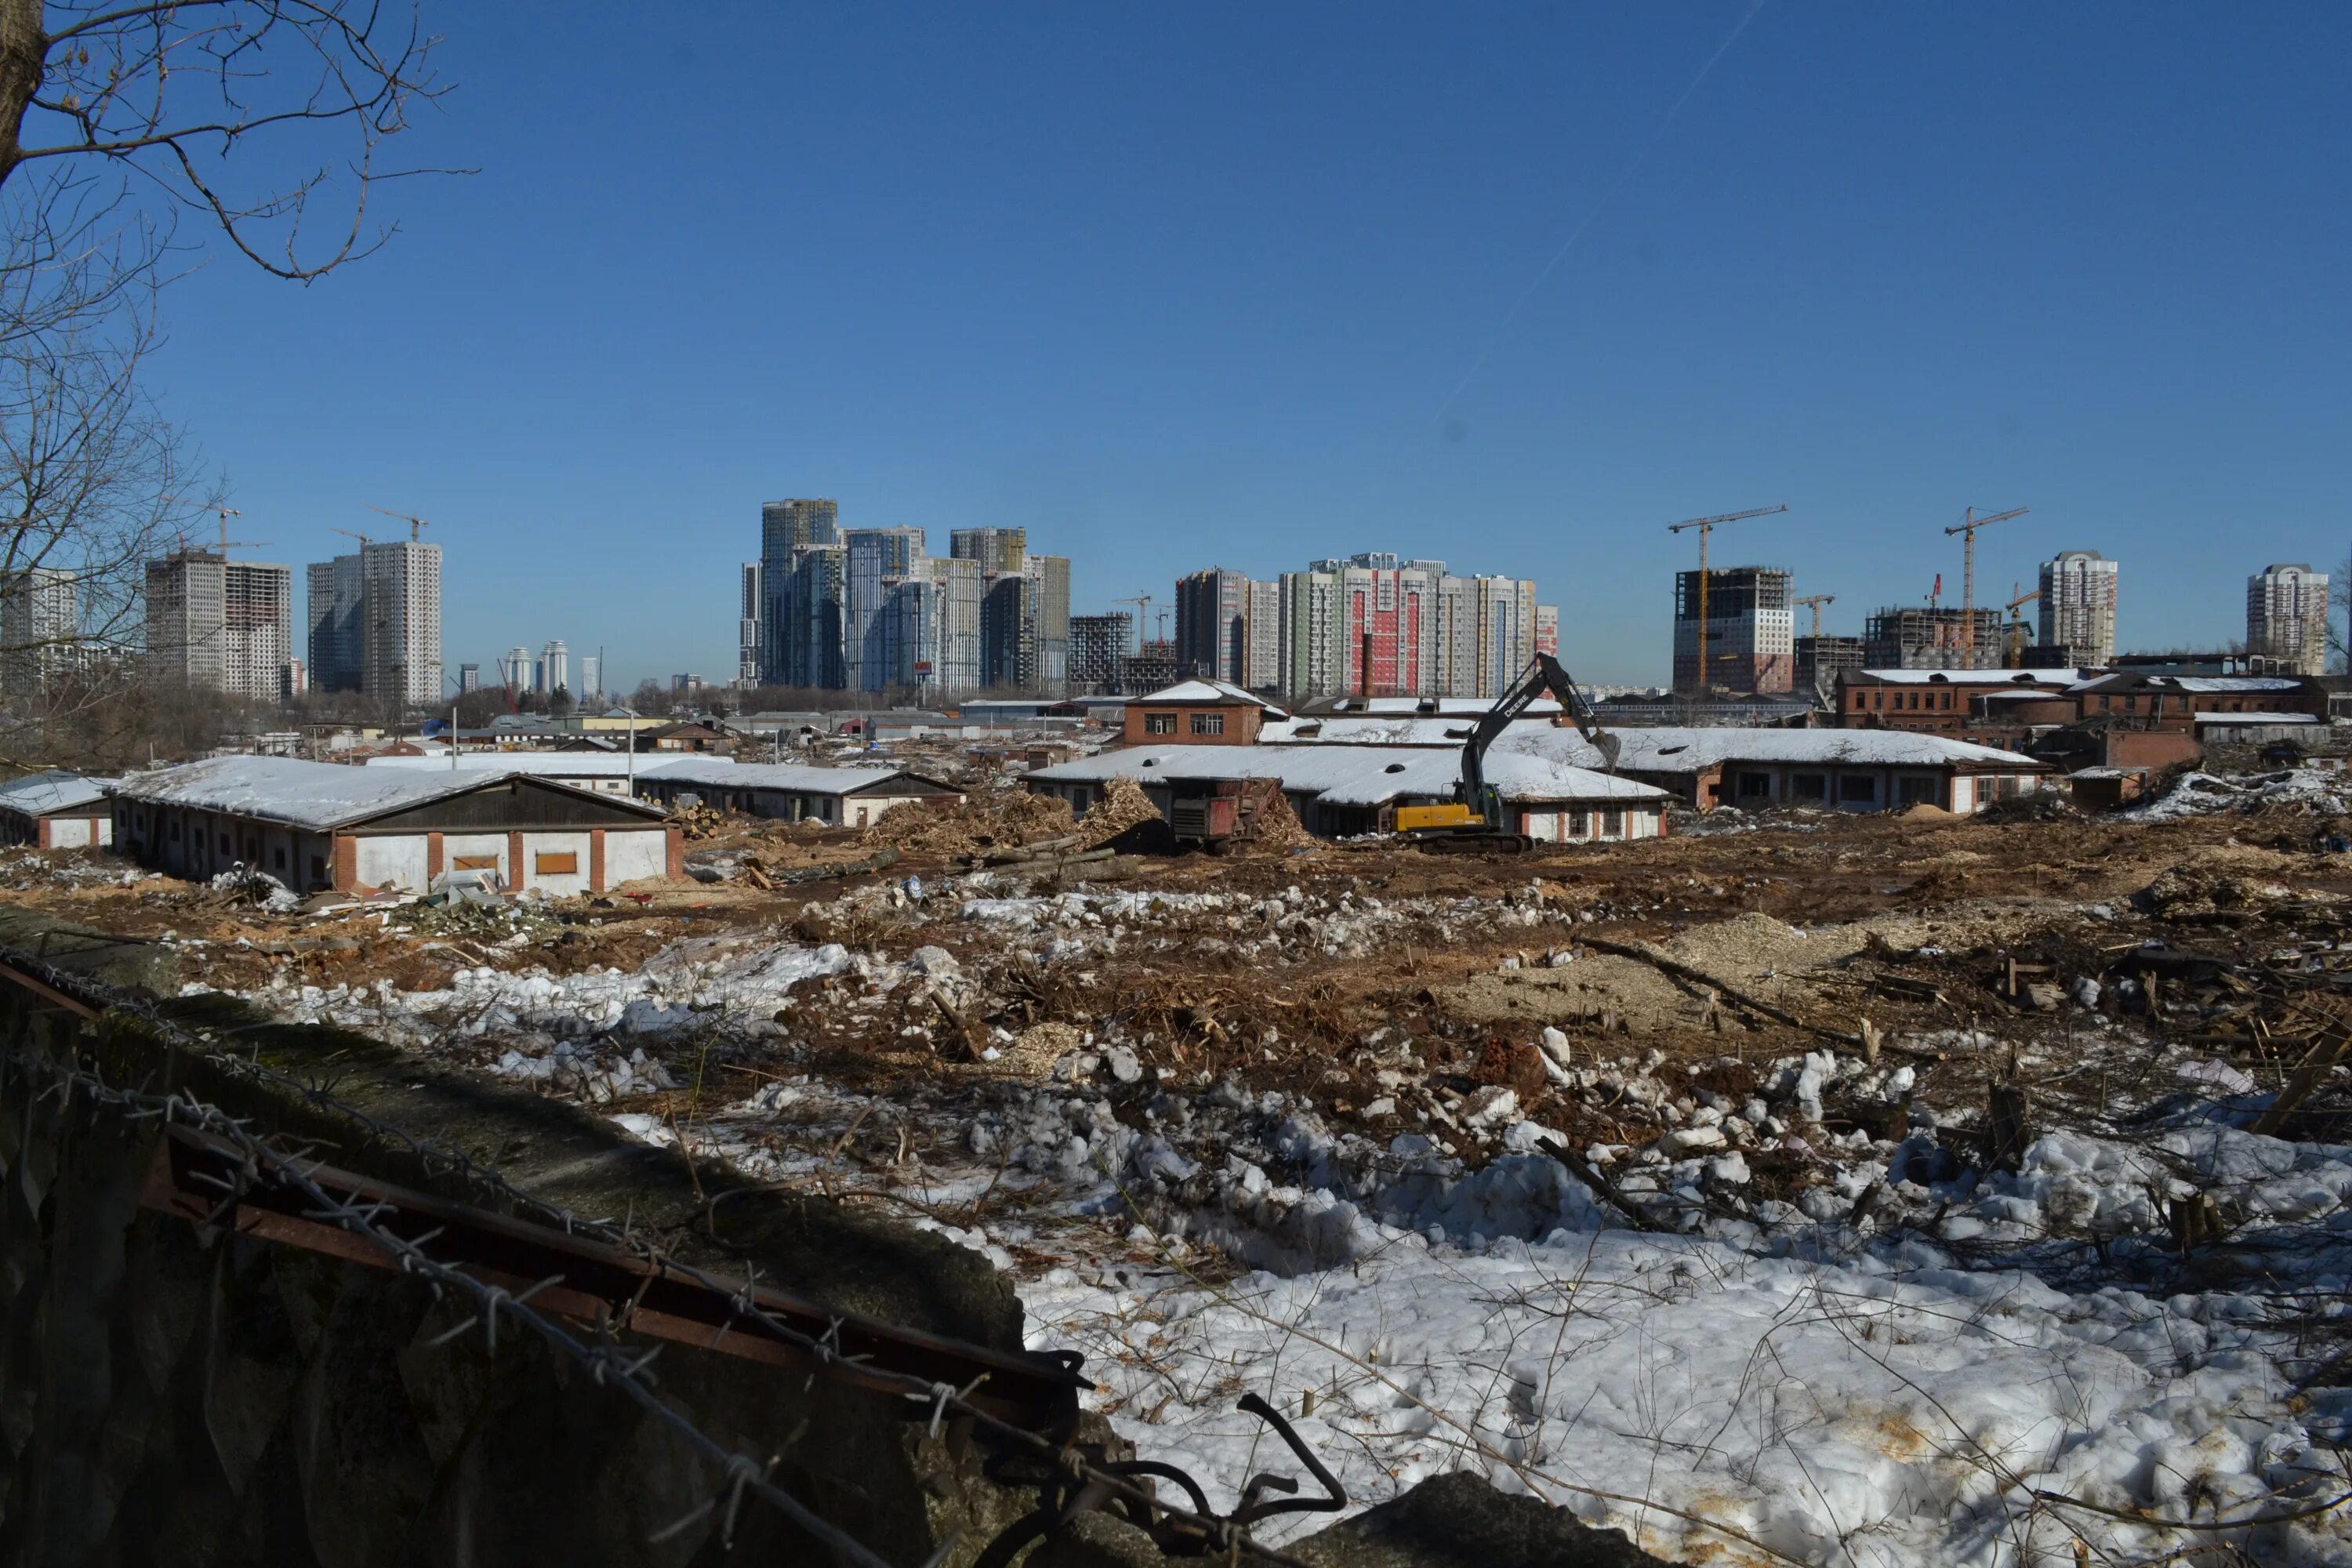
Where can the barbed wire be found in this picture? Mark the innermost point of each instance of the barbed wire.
(938, 1401)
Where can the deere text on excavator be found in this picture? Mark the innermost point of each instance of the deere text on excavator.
(1474, 820)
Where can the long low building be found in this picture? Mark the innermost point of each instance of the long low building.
(600, 772)
(56, 810)
(795, 792)
(1339, 791)
(1707, 766)
(316, 826)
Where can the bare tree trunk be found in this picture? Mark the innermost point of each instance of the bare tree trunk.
(23, 47)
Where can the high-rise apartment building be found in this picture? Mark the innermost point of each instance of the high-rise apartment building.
(786, 529)
(1821, 660)
(996, 549)
(2286, 618)
(1048, 623)
(1547, 630)
(877, 654)
(518, 671)
(40, 628)
(1262, 638)
(2078, 606)
(1097, 644)
(469, 678)
(746, 627)
(811, 607)
(401, 651)
(1212, 621)
(555, 660)
(1750, 632)
(337, 635)
(222, 625)
(592, 679)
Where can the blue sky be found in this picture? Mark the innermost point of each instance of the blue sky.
(1180, 286)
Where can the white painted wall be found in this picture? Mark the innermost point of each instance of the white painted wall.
(472, 844)
(555, 885)
(393, 860)
(73, 832)
(632, 854)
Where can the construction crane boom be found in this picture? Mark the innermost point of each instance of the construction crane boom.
(2017, 624)
(349, 533)
(1706, 525)
(1815, 601)
(1967, 528)
(1142, 603)
(416, 525)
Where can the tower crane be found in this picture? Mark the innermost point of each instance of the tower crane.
(416, 525)
(1142, 603)
(1814, 602)
(1706, 525)
(2017, 623)
(227, 543)
(1967, 528)
(364, 540)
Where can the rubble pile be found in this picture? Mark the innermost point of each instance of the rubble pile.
(2322, 791)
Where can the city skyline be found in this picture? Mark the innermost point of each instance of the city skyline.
(1219, 352)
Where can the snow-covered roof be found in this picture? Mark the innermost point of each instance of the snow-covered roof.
(1977, 677)
(549, 764)
(318, 797)
(1680, 749)
(1208, 691)
(56, 790)
(1349, 775)
(1660, 749)
(2266, 719)
(2223, 684)
(1426, 707)
(800, 778)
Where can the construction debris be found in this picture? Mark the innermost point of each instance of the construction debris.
(988, 819)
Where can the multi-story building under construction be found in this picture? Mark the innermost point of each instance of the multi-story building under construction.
(1097, 644)
(400, 583)
(221, 625)
(1932, 636)
(1750, 631)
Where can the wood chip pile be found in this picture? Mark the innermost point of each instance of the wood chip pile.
(1123, 805)
(984, 822)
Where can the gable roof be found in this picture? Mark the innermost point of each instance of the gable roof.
(1203, 691)
(56, 790)
(1350, 775)
(557, 764)
(800, 778)
(322, 797)
(1661, 749)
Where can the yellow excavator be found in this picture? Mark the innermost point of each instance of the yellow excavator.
(1473, 820)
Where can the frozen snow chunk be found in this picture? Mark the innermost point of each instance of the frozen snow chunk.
(1491, 1105)
(935, 962)
(1731, 1170)
(1684, 1141)
(1529, 1137)
(1122, 1063)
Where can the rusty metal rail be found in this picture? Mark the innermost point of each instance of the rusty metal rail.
(609, 1289)
(212, 1169)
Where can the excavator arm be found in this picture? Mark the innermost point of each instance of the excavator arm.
(1543, 674)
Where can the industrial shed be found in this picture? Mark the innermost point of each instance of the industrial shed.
(1339, 791)
(794, 792)
(315, 825)
(600, 772)
(55, 810)
(1707, 766)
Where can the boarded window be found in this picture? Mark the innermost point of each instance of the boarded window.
(555, 863)
(474, 863)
